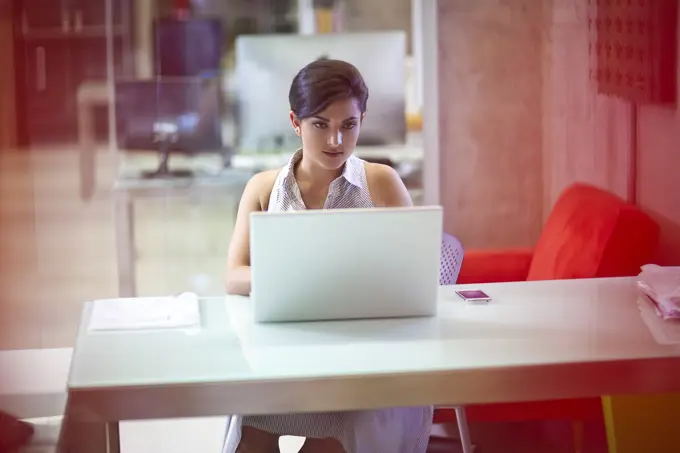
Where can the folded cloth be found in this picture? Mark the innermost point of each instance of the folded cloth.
(661, 285)
(664, 332)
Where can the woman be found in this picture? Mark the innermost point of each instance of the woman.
(328, 103)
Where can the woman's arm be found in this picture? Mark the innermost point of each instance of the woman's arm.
(386, 187)
(238, 259)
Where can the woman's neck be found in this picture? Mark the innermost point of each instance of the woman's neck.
(313, 174)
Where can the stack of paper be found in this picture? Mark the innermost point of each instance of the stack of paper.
(661, 286)
(180, 311)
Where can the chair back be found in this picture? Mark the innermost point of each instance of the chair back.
(451, 260)
(592, 233)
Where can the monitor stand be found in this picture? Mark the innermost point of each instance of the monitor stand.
(163, 172)
(165, 135)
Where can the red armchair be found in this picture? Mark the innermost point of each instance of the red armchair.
(590, 233)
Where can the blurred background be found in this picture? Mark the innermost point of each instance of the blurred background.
(129, 128)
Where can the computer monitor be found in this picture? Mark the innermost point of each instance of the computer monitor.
(267, 64)
(193, 104)
(169, 115)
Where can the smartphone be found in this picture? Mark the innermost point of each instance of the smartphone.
(474, 295)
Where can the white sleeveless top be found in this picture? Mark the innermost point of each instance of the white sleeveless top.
(348, 191)
(396, 430)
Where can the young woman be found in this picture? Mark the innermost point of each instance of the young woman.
(328, 103)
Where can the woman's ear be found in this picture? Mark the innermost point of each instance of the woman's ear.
(295, 121)
(361, 118)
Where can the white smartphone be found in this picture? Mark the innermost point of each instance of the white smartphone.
(474, 296)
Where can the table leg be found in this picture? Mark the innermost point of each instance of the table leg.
(90, 438)
(112, 430)
(463, 429)
(125, 245)
(642, 423)
(87, 151)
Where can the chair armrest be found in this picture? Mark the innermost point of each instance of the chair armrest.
(490, 266)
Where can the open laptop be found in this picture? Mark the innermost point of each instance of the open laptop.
(345, 264)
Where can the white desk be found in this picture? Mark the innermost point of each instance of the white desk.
(410, 153)
(229, 183)
(226, 185)
(406, 158)
(536, 341)
(96, 93)
(33, 381)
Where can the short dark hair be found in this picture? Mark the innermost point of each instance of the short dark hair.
(323, 82)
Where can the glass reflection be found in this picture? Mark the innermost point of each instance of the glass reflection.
(106, 90)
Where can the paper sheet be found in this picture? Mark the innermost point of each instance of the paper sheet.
(180, 311)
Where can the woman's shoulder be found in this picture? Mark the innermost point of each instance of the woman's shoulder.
(381, 175)
(264, 178)
(260, 186)
(385, 185)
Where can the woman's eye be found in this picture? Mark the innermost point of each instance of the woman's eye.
(320, 125)
(350, 126)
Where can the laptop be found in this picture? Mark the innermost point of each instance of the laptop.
(330, 264)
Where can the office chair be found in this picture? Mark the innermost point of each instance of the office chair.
(451, 261)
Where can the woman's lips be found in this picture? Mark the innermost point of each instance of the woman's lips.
(333, 153)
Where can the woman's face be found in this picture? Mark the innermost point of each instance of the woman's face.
(329, 137)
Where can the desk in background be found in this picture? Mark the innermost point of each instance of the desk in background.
(212, 180)
(216, 180)
(128, 189)
(92, 94)
(536, 341)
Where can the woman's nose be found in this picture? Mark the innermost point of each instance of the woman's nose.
(335, 138)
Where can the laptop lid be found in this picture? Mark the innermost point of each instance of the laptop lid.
(345, 264)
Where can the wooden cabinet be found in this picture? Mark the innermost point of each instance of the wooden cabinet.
(47, 107)
(89, 59)
(42, 16)
(89, 15)
(59, 45)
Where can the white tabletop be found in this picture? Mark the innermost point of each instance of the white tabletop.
(33, 381)
(226, 179)
(399, 154)
(536, 340)
(407, 156)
